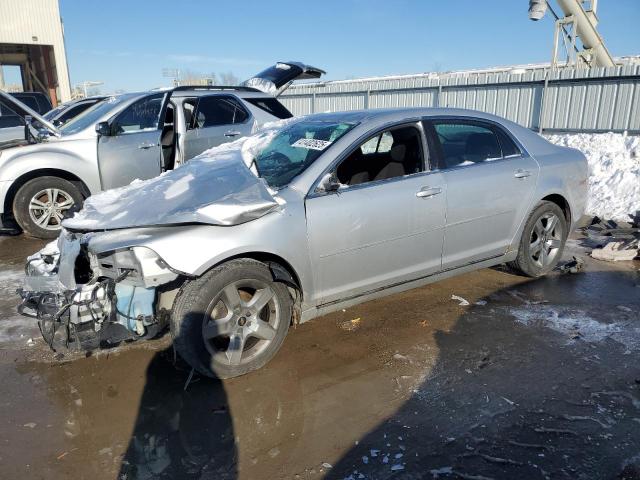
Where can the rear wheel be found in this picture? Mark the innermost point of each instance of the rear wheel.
(232, 320)
(41, 204)
(542, 241)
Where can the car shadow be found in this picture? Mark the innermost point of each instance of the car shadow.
(554, 396)
(183, 427)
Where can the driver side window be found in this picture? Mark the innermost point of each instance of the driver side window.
(143, 115)
(389, 154)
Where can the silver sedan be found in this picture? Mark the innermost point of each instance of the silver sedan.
(321, 213)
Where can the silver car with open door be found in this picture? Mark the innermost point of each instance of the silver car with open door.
(127, 137)
(315, 215)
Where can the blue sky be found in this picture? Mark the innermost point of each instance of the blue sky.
(127, 43)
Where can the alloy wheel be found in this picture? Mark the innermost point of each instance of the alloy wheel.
(241, 322)
(48, 206)
(546, 240)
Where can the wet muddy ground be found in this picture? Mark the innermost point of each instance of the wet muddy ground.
(532, 379)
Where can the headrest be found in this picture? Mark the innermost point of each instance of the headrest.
(397, 152)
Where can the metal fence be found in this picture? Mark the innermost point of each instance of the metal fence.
(566, 100)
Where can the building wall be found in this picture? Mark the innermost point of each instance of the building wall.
(37, 22)
(567, 100)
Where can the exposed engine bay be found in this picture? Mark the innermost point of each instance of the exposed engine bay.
(85, 300)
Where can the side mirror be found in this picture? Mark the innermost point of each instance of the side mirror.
(58, 123)
(329, 183)
(103, 129)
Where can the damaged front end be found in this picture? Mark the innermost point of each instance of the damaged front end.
(85, 300)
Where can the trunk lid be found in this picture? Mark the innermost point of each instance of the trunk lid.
(277, 78)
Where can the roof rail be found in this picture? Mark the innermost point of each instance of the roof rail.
(215, 87)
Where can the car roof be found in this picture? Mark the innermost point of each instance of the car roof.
(399, 114)
(242, 92)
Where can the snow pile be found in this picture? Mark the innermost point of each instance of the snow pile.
(614, 172)
(218, 187)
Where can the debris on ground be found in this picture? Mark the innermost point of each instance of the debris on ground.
(350, 325)
(462, 302)
(572, 266)
(614, 241)
(615, 252)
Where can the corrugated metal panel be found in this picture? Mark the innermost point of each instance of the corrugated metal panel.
(576, 99)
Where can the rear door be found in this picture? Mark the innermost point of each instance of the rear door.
(385, 225)
(490, 183)
(214, 120)
(133, 149)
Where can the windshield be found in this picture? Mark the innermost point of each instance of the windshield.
(91, 116)
(52, 113)
(296, 147)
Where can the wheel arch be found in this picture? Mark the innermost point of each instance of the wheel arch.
(563, 203)
(41, 172)
(280, 268)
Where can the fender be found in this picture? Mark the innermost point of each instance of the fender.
(77, 159)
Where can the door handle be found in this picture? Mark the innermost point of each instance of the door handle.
(522, 173)
(427, 192)
(231, 134)
(144, 146)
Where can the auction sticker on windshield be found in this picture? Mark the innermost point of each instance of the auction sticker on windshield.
(311, 144)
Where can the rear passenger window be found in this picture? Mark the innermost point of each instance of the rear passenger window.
(216, 110)
(509, 148)
(466, 143)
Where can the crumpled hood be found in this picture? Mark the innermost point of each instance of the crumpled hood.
(216, 188)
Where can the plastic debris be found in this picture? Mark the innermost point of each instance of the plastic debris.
(350, 325)
(462, 302)
(615, 252)
(572, 266)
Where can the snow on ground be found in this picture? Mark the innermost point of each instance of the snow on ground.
(614, 172)
(14, 329)
(575, 324)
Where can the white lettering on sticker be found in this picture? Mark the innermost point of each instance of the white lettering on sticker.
(311, 144)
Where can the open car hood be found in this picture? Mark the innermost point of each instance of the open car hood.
(215, 188)
(276, 79)
(23, 110)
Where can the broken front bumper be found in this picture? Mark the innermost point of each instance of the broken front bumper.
(115, 301)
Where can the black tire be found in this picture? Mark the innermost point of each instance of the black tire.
(41, 189)
(205, 298)
(533, 264)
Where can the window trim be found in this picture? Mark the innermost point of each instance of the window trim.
(432, 137)
(224, 96)
(426, 158)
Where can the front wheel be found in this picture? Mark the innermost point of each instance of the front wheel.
(232, 320)
(40, 205)
(542, 241)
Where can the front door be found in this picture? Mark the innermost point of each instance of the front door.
(133, 150)
(385, 225)
(490, 184)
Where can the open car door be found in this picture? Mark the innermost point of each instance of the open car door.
(276, 79)
(13, 120)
